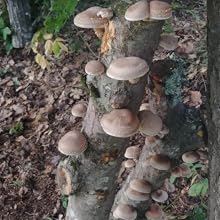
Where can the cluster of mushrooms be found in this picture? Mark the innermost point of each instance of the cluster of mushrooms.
(124, 123)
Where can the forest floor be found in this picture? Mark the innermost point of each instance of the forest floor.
(35, 111)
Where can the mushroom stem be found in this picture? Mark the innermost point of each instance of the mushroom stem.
(134, 81)
(99, 32)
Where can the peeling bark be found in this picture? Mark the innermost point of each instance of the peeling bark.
(20, 20)
(214, 104)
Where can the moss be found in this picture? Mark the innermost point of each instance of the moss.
(174, 81)
(75, 165)
(83, 82)
(94, 92)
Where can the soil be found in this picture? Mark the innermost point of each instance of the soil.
(40, 101)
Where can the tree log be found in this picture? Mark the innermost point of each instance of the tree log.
(94, 198)
(100, 164)
(20, 20)
(214, 104)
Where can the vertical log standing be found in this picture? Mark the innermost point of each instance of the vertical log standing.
(20, 20)
(97, 182)
(214, 104)
(94, 198)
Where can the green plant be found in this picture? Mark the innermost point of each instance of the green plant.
(59, 12)
(198, 213)
(64, 201)
(167, 27)
(4, 73)
(199, 189)
(17, 183)
(5, 35)
(17, 129)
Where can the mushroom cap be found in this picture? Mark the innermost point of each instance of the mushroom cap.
(168, 186)
(152, 140)
(120, 123)
(186, 171)
(125, 212)
(154, 212)
(190, 157)
(64, 181)
(136, 196)
(160, 10)
(132, 152)
(202, 154)
(150, 124)
(79, 110)
(89, 18)
(159, 196)
(138, 11)
(94, 68)
(129, 163)
(72, 143)
(140, 185)
(160, 162)
(144, 106)
(127, 68)
(181, 171)
(105, 13)
(168, 41)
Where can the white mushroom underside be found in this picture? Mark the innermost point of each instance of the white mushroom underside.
(127, 68)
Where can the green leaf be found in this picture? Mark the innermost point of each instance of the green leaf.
(198, 213)
(172, 179)
(17, 129)
(56, 49)
(64, 201)
(8, 47)
(2, 23)
(6, 32)
(199, 189)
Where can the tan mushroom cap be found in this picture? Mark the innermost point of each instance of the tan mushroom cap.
(89, 18)
(181, 171)
(105, 13)
(125, 212)
(177, 172)
(94, 68)
(154, 212)
(159, 196)
(129, 163)
(190, 157)
(127, 68)
(136, 196)
(72, 143)
(64, 181)
(132, 152)
(168, 186)
(186, 171)
(160, 10)
(138, 11)
(144, 106)
(79, 110)
(150, 124)
(168, 42)
(120, 123)
(140, 185)
(160, 162)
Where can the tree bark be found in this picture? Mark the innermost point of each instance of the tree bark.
(214, 104)
(20, 20)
